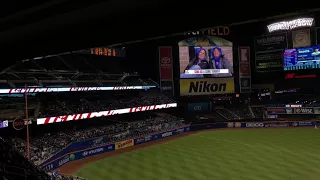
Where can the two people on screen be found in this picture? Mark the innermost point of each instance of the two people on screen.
(218, 61)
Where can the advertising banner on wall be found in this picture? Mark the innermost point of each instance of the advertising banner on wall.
(305, 111)
(218, 31)
(302, 110)
(165, 63)
(167, 88)
(244, 69)
(124, 144)
(269, 124)
(166, 70)
(89, 115)
(269, 61)
(76, 155)
(301, 38)
(198, 107)
(269, 51)
(270, 42)
(206, 86)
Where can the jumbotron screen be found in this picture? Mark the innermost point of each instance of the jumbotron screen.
(205, 61)
(301, 58)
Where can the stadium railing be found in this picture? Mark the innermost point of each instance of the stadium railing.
(10, 170)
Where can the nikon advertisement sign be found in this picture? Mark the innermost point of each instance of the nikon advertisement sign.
(207, 86)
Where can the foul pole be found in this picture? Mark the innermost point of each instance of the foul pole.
(27, 120)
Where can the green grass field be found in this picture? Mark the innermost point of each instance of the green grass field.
(266, 154)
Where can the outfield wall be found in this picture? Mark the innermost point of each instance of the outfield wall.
(95, 146)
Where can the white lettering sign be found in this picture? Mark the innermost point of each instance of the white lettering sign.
(64, 160)
(147, 138)
(308, 123)
(98, 141)
(166, 88)
(94, 151)
(287, 25)
(254, 125)
(180, 130)
(167, 134)
(197, 108)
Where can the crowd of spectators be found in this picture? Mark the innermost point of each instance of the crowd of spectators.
(44, 146)
(97, 102)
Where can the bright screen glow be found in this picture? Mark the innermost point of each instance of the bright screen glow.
(4, 124)
(301, 58)
(89, 115)
(69, 89)
(205, 61)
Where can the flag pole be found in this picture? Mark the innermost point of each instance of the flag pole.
(27, 120)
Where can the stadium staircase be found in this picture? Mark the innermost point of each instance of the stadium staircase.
(221, 115)
(251, 112)
(233, 114)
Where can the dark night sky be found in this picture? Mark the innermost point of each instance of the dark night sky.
(64, 25)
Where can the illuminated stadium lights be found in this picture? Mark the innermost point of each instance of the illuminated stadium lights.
(102, 113)
(69, 89)
(287, 25)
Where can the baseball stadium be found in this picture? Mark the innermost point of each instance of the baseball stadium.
(238, 101)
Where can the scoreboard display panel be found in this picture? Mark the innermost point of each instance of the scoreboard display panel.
(107, 51)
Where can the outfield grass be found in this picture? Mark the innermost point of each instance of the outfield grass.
(266, 154)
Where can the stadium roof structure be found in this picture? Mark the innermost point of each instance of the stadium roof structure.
(51, 27)
(66, 70)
